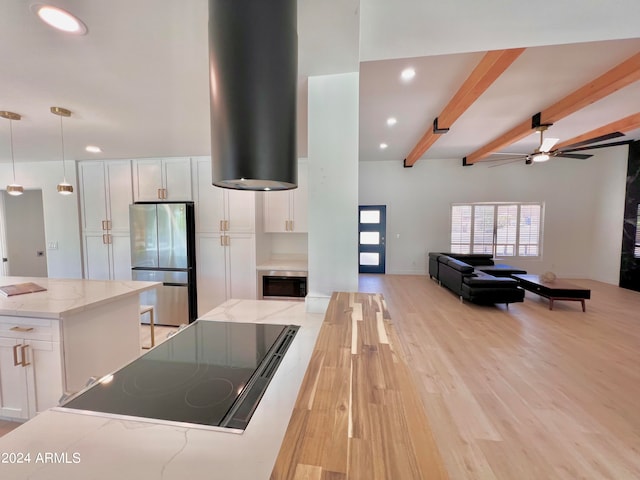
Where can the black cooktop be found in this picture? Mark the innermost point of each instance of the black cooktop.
(210, 373)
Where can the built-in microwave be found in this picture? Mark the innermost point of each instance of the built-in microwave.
(282, 285)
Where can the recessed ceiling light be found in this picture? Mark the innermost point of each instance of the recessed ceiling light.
(93, 149)
(59, 19)
(383, 146)
(391, 121)
(407, 74)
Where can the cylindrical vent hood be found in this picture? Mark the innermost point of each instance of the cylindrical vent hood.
(253, 69)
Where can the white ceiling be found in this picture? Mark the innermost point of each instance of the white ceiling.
(137, 83)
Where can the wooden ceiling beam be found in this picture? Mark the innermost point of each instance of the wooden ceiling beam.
(492, 65)
(618, 77)
(625, 124)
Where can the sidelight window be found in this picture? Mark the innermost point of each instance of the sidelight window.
(500, 229)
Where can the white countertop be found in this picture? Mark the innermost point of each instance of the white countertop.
(66, 296)
(108, 448)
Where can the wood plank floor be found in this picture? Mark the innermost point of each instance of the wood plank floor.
(524, 392)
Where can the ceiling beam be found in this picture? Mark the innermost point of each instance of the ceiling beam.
(618, 77)
(492, 65)
(625, 124)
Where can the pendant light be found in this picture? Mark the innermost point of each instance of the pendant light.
(64, 187)
(13, 188)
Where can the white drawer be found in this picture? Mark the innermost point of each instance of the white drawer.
(29, 328)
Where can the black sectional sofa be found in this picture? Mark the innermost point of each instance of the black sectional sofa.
(476, 278)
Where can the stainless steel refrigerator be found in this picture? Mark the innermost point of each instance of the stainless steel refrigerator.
(163, 250)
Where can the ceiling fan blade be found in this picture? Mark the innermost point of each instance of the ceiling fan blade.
(579, 156)
(548, 143)
(593, 147)
(589, 141)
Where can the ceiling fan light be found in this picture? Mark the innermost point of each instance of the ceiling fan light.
(15, 189)
(540, 157)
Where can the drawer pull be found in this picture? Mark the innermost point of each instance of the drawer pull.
(21, 329)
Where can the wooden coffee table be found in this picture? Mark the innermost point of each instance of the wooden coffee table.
(557, 290)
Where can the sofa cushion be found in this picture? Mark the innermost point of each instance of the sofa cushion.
(473, 259)
(489, 281)
(501, 270)
(458, 265)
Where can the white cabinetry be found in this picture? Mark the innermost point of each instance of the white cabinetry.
(226, 241)
(286, 211)
(30, 368)
(220, 209)
(162, 179)
(105, 196)
(226, 268)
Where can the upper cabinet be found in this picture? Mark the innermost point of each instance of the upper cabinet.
(156, 179)
(220, 209)
(286, 211)
(105, 195)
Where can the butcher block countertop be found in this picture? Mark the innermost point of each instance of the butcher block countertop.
(358, 414)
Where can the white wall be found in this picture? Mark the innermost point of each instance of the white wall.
(333, 187)
(583, 201)
(61, 213)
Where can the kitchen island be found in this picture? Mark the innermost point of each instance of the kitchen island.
(53, 341)
(87, 446)
(357, 414)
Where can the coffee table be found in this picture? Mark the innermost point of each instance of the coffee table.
(557, 290)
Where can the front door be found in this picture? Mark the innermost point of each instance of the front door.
(372, 226)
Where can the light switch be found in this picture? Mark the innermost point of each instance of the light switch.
(52, 245)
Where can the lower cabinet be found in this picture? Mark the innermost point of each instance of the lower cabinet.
(107, 256)
(30, 376)
(226, 268)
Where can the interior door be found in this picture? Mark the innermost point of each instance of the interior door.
(372, 226)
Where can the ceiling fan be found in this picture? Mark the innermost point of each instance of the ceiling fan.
(545, 149)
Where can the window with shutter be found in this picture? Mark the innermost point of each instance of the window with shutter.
(501, 229)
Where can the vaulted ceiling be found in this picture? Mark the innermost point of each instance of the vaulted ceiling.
(137, 83)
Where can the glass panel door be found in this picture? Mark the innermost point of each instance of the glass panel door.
(372, 226)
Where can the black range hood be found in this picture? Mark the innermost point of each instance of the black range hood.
(253, 67)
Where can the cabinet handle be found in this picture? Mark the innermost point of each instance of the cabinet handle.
(104, 238)
(164, 193)
(222, 225)
(109, 225)
(23, 350)
(226, 225)
(109, 239)
(159, 194)
(104, 225)
(15, 355)
(227, 240)
(21, 329)
(291, 225)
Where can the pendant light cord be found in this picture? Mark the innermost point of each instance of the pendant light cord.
(13, 162)
(64, 168)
